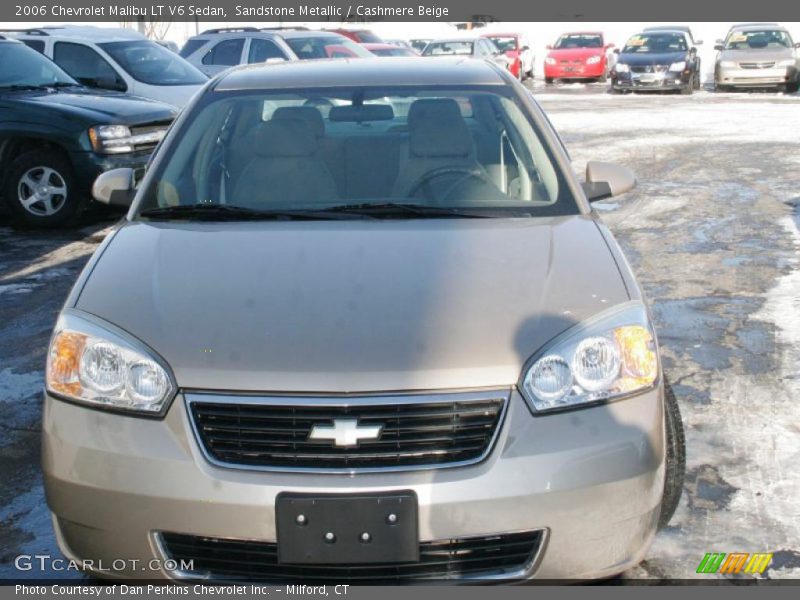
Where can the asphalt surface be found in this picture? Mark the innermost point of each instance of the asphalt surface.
(712, 234)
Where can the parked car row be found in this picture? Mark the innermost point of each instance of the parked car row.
(752, 55)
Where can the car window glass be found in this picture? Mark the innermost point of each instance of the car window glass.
(191, 46)
(757, 40)
(226, 53)
(579, 40)
(153, 64)
(282, 151)
(37, 45)
(656, 43)
(311, 48)
(87, 66)
(262, 50)
(24, 66)
(448, 48)
(505, 43)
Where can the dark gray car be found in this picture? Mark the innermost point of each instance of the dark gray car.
(391, 333)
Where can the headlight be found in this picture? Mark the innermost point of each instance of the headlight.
(727, 64)
(678, 66)
(608, 357)
(593, 60)
(787, 62)
(550, 60)
(92, 363)
(118, 139)
(621, 68)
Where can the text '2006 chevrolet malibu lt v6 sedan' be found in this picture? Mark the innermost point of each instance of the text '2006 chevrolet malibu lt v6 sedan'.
(362, 329)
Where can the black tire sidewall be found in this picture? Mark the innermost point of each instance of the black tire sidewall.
(41, 158)
(675, 468)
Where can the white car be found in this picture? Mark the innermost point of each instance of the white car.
(117, 59)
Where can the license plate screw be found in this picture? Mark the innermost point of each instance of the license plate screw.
(301, 520)
(391, 519)
(365, 538)
(330, 537)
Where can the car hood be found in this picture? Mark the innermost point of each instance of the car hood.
(575, 53)
(764, 55)
(352, 306)
(654, 58)
(102, 107)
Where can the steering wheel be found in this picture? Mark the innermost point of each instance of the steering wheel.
(465, 172)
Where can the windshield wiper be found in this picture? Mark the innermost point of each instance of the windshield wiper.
(226, 212)
(401, 209)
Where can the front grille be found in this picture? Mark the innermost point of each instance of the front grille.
(649, 68)
(756, 65)
(147, 137)
(416, 431)
(507, 555)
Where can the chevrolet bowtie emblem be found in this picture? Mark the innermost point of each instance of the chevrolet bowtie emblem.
(345, 432)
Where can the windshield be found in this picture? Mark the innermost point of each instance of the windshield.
(504, 43)
(471, 149)
(579, 40)
(313, 47)
(756, 40)
(656, 43)
(448, 48)
(153, 64)
(21, 66)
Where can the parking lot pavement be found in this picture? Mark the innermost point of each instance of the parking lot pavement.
(711, 231)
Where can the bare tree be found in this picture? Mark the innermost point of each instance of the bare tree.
(150, 28)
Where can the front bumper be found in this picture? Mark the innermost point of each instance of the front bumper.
(755, 78)
(574, 71)
(651, 81)
(88, 165)
(591, 479)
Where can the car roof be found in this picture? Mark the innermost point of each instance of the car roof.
(666, 30)
(286, 33)
(344, 72)
(84, 32)
(758, 27)
(455, 38)
(600, 33)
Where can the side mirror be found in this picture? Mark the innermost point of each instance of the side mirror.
(719, 47)
(797, 45)
(698, 42)
(524, 48)
(611, 45)
(115, 187)
(604, 180)
(549, 46)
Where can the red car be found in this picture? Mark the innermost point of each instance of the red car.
(362, 36)
(518, 50)
(578, 55)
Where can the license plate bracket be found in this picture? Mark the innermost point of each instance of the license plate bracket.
(303, 520)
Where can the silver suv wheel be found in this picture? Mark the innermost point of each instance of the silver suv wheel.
(42, 191)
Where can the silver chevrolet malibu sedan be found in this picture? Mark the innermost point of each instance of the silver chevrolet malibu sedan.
(360, 324)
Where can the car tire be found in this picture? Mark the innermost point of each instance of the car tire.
(549, 80)
(40, 189)
(792, 88)
(721, 88)
(675, 459)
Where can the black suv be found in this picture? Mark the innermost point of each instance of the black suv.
(56, 136)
